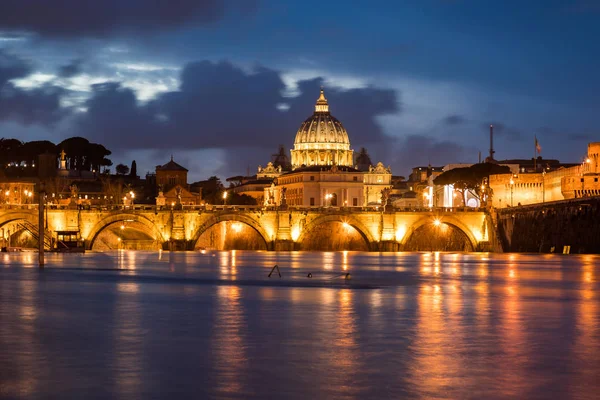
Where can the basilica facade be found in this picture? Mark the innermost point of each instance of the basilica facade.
(323, 171)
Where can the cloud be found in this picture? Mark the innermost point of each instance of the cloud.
(455, 119)
(502, 130)
(219, 105)
(12, 67)
(581, 137)
(74, 18)
(419, 150)
(36, 106)
(70, 70)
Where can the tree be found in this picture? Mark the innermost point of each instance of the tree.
(212, 190)
(133, 172)
(113, 189)
(240, 199)
(236, 180)
(83, 155)
(76, 149)
(122, 169)
(30, 151)
(55, 187)
(9, 151)
(469, 179)
(96, 156)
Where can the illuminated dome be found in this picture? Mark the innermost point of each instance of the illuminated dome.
(322, 140)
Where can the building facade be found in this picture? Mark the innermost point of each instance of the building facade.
(170, 175)
(563, 183)
(318, 186)
(173, 189)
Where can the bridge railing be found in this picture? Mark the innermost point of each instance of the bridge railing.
(240, 208)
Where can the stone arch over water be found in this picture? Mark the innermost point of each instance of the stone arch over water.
(439, 233)
(231, 232)
(29, 216)
(13, 234)
(335, 232)
(138, 232)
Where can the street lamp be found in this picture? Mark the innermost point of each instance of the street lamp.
(544, 186)
(132, 196)
(512, 182)
(328, 198)
(225, 198)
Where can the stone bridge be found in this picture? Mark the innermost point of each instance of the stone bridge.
(281, 230)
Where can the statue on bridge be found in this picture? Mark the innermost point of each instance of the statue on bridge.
(74, 196)
(178, 205)
(283, 203)
(385, 195)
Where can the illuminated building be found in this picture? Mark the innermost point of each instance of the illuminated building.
(171, 178)
(556, 182)
(322, 172)
(322, 140)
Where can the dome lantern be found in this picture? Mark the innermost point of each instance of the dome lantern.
(322, 105)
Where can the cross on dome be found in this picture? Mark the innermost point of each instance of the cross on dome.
(322, 105)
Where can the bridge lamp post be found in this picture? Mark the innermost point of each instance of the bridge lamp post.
(512, 182)
(483, 199)
(132, 196)
(225, 198)
(544, 186)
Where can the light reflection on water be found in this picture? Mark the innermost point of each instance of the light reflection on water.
(419, 325)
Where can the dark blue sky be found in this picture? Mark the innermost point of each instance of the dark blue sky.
(220, 84)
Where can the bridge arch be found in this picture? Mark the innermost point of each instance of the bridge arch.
(29, 216)
(149, 226)
(227, 217)
(343, 218)
(444, 219)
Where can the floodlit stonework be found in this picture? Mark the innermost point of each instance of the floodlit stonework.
(322, 172)
(322, 140)
(562, 184)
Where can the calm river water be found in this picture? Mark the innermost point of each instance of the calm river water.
(133, 325)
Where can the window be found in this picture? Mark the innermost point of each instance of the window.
(312, 178)
(355, 179)
(581, 180)
(355, 201)
(312, 200)
(595, 179)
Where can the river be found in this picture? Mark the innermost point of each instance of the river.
(129, 325)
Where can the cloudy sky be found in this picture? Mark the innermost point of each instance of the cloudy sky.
(221, 83)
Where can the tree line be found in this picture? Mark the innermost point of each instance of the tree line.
(80, 154)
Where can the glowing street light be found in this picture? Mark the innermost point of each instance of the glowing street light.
(328, 198)
(224, 197)
(512, 182)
